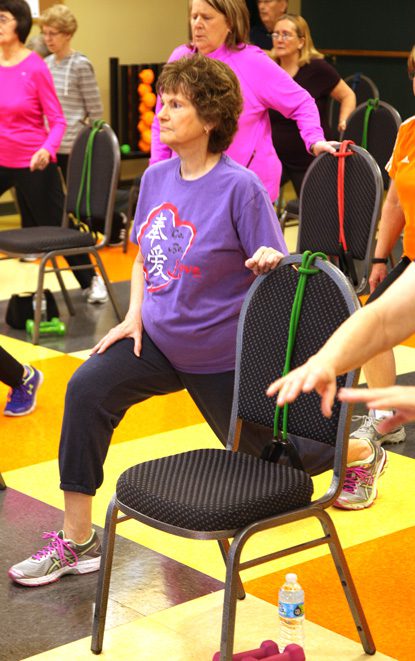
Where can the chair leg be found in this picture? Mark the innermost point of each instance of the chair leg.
(2, 482)
(347, 583)
(230, 597)
(104, 578)
(224, 548)
(38, 302)
(109, 287)
(65, 294)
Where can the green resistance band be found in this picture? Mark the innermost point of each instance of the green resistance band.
(371, 105)
(280, 442)
(87, 171)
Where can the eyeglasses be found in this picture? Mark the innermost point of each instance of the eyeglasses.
(49, 34)
(285, 36)
(4, 19)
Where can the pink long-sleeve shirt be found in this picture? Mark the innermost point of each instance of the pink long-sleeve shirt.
(264, 85)
(27, 96)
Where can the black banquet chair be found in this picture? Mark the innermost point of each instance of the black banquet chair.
(382, 125)
(225, 494)
(48, 242)
(319, 226)
(364, 88)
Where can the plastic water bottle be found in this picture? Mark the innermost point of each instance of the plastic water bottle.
(291, 612)
(43, 308)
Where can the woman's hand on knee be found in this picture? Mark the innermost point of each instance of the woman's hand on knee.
(127, 328)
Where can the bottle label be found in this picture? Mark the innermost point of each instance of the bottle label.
(290, 610)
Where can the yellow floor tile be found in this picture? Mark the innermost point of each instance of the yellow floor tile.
(26, 352)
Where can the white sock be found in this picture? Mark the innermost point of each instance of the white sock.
(378, 414)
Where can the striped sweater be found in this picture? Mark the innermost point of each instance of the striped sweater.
(78, 92)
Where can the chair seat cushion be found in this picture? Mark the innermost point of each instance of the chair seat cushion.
(212, 489)
(34, 240)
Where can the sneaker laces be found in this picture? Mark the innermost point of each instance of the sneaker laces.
(367, 421)
(18, 395)
(354, 476)
(56, 544)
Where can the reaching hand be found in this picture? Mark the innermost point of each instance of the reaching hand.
(304, 379)
(127, 328)
(263, 260)
(399, 398)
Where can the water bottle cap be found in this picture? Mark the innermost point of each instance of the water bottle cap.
(291, 578)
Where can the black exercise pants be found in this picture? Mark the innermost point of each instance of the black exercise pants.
(11, 371)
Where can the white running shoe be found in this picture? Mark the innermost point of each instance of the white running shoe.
(97, 292)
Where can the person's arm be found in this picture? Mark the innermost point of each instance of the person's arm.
(132, 325)
(88, 87)
(53, 112)
(391, 224)
(276, 89)
(347, 99)
(369, 331)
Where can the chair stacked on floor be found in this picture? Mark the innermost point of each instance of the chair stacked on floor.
(223, 495)
(48, 242)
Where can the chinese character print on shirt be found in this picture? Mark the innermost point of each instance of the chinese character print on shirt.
(165, 240)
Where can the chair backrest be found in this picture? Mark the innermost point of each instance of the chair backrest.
(262, 340)
(105, 168)
(319, 211)
(383, 125)
(362, 86)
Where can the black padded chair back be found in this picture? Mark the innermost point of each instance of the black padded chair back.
(383, 126)
(319, 214)
(363, 87)
(262, 342)
(105, 169)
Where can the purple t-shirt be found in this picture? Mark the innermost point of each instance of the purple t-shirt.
(195, 237)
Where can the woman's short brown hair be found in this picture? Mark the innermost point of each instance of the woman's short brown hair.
(237, 17)
(212, 88)
(59, 17)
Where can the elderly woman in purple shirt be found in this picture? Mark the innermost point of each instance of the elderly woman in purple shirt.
(205, 227)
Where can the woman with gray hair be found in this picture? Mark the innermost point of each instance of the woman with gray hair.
(73, 75)
(78, 93)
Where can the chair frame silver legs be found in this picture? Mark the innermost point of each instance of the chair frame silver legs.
(43, 270)
(232, 555)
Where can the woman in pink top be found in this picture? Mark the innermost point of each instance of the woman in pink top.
(27, 96)
(27, 148)
(220, 29)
